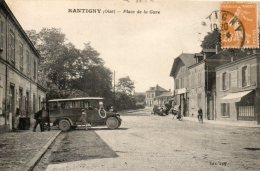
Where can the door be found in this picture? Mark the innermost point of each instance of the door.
(12, 99)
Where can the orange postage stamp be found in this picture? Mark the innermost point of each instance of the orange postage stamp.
(239, 25)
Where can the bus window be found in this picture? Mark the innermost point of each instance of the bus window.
(86, 104)
(53, 106)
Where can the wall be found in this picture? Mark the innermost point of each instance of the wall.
(197, 88)
(23, 79)
(233, 84)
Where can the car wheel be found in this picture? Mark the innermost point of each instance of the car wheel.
(64, 125)
(112, 123)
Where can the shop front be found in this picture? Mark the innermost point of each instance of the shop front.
(244, 105)
(181, 96)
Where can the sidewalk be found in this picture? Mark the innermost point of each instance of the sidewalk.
(21, 150)
(230, 123)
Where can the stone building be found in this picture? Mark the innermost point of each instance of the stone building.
(203, 82)
(238, 90)
(19, 88)
(152, 93)
(180, 74)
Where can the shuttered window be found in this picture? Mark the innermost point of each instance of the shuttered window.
(225, 109)
(12, 47)
(244, 76)
(21, 56)
(225, 81)
(1, 34)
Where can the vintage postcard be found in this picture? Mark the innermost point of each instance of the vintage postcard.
(134, 85)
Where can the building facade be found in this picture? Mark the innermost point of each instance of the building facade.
(152, 93)
(238, 93)
(181, 76)
(19, 88)
(203, 82)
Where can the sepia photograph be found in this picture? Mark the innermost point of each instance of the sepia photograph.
(129, 85)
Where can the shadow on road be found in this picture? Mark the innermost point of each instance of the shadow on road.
(79, 145)
(106, 129)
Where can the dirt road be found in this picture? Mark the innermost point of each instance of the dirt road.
(149, 142)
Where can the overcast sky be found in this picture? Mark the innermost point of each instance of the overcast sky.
(142, 46)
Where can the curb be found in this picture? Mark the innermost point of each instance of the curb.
(32, 163)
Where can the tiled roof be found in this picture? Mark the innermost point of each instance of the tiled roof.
(186, 58)
(157, 88)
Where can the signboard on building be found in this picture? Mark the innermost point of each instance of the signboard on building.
(180, 91)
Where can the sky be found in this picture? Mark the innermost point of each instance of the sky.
(141, 46)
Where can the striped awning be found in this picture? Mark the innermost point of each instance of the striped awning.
(235, 97)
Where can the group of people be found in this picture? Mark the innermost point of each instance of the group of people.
(171, 105)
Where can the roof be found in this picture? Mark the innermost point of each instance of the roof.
(166, 94)
(186, 58)
(5, 7)
(76, 99)
(156, 88)
(209, 50)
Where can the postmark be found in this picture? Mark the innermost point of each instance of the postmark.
(239, 25)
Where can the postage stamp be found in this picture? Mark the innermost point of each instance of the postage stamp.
(239, 25)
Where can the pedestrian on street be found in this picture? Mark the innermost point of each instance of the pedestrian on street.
(46, 118)
(83, 118)
(38, 120)
(200, 115)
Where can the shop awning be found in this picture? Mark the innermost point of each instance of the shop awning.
(234, 97)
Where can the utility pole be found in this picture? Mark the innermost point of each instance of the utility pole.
(114, 88)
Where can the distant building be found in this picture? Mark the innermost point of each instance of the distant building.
(238, 90)
(163, 98)
(19, 88)
(152, 93)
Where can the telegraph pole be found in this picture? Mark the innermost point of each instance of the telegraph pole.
(114, 88)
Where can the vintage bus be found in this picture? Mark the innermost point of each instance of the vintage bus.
(66, 113)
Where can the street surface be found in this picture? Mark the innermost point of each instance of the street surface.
(150, 142)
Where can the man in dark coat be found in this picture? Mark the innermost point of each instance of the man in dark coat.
(38, 120)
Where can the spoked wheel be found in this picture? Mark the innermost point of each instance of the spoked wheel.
(64, 125)
(112, 123)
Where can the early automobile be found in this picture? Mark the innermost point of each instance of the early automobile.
(66, 113)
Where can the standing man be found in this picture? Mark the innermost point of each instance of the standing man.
(38, 120)
(83, 117)
(200, 115)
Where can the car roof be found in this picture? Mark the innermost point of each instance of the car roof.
(76, 99)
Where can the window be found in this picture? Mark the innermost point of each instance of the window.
(244, 76)
(28, 62)
(225, 109)
(34, 103)
(21, 56)
(199, 100)
(225, 81)
(34, 69)
(12, 47)
(177, 83)
(199, 78)
(2, 35)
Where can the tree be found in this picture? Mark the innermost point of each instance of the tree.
(211, 40)
(125, 85)
(69, 71)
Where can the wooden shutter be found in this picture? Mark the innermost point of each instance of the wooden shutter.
(221, 82)
(240, 77)
(248, 81)
(228, 80)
